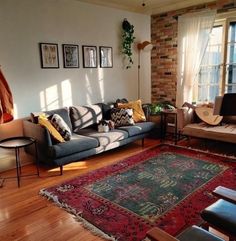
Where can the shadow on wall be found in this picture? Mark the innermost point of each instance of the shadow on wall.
(61, 94)
(52, 97)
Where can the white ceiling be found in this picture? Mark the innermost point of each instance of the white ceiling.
(151, 6)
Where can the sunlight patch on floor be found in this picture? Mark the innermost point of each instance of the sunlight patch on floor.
(4, 214)
(71, 167)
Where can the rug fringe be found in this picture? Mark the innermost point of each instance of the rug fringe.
(96, 231)
(93, 229)
(230, 158)
(49, 195)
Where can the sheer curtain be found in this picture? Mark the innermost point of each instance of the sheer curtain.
(193, 34)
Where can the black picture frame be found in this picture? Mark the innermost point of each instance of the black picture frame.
(106, 57)
(70, 55)
(89, 56)
(49, 55)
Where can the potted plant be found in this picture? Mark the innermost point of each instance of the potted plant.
(127, 40)
(156, 109)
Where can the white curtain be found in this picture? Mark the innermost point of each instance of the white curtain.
(193, 34)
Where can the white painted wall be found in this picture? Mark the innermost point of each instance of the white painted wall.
(25, 23)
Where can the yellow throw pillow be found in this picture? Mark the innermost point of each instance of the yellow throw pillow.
(138, 114)
(43, 120)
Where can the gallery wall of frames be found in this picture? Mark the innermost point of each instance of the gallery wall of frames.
(91, 55)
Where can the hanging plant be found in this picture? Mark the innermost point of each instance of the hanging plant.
(127, 40)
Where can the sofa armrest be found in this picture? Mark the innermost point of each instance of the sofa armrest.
(42, 137)
(185, 115)
(156, 234)
(38, 132)
(225, 193)
(147, 110)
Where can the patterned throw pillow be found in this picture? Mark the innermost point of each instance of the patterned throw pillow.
(136, 106)
(43, 121)
(122, 117)
(61, 126)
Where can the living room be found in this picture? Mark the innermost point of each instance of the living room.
(35, 88)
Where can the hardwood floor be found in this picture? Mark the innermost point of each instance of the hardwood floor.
(24, 215)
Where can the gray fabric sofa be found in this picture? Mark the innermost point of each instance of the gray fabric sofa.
(86, 140)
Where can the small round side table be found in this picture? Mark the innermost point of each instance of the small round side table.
(16, 143)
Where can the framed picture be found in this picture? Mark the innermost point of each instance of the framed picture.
(70, 55)
(106, 57)
(89, 56)
(49, 55)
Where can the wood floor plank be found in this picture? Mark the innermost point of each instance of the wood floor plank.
(25, 215)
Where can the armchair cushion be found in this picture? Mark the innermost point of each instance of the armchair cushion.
(221, 214)
(193, 233)
(196, 233)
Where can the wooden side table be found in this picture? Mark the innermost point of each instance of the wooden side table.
(165, 124)
(156, 133)
(16, 143)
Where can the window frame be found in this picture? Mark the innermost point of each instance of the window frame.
(224, 20)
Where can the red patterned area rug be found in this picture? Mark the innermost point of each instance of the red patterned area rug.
(166, 186)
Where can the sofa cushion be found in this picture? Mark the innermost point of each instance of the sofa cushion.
(221, 214)
(63, 113)
(84, 116)
(225, 133)
(138, 128)
(104, 138)
(76, 144)
(122, 117)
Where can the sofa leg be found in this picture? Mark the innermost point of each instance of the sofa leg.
(61, 170)
(143, 142)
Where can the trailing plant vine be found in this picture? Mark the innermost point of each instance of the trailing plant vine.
(127, 40)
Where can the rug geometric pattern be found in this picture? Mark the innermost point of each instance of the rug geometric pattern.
(156, 185)
(166, 186)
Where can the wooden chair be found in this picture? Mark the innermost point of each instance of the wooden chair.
(221, 215)
(193, 233)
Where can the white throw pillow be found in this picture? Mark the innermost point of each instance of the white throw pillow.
(61, 126)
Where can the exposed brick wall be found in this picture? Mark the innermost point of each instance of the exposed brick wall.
(164, 33)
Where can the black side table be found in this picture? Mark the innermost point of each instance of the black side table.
(16, 143)
(165, 124)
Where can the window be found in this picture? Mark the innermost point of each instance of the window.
(230, 85)
(217, 73)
